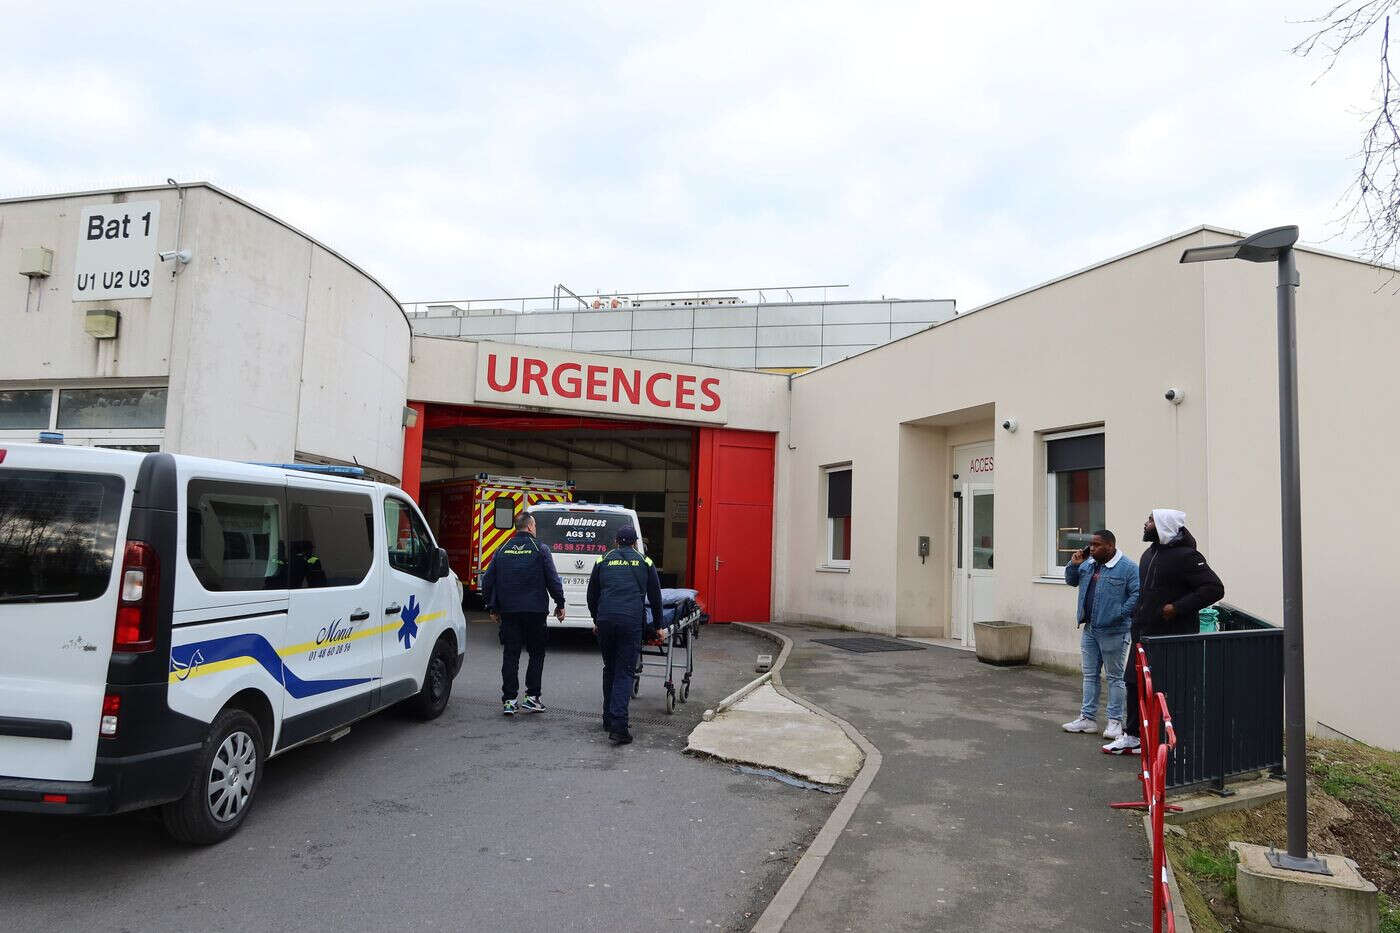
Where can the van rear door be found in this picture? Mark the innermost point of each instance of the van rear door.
(577, 535)
(63, 517)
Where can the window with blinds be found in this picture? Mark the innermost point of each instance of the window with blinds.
(1075, 496)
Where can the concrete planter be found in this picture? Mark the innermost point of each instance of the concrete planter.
(1002, 643)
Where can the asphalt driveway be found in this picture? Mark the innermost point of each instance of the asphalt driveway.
(473, 821)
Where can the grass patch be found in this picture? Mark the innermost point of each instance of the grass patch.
(1358, 774)
(1390, 915)
(1209, 865)
(1353, 809)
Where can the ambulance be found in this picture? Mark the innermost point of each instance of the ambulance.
(474, 517)
(171, 623)
(577, 534)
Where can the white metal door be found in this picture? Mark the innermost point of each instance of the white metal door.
(414, 597)
(332, 658)
(957, 547)
(980, 557)
(62, 528)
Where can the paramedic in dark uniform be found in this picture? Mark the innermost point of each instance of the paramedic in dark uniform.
(622, 584)
(517, 587)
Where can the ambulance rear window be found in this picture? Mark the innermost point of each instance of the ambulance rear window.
(579, 532)
(58, 534)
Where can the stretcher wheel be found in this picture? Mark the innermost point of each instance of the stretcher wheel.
(670, 699)
(636, 684)
(685, 691)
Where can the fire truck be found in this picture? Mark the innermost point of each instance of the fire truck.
(474, 517)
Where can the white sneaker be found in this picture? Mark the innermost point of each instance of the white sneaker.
(1113, 730)
(1081, 725)
(1123, 745)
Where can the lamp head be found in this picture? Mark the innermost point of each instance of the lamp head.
(1264, 246)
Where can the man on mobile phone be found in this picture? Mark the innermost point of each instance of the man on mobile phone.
(1108, 594)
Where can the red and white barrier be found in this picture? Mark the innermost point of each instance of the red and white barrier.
(1158, 741)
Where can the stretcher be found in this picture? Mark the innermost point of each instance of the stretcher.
(671, 649)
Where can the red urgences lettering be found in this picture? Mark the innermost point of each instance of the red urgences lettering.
(599, 382)
(533, 374)
(571, 389)
(651, 389)
(685, 393)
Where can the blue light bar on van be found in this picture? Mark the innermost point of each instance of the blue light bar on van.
(325, 468)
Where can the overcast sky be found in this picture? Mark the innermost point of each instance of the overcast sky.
(475, 150)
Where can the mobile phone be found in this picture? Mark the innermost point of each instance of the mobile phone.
(1085, 552)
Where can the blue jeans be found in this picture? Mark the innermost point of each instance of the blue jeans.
(1109, 651)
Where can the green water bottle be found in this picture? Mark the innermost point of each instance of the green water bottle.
(1209, 619)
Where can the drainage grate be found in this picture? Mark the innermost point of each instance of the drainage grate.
(866, 645)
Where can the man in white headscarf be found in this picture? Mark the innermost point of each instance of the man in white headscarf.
(1176, 582)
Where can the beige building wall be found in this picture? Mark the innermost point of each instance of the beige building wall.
(1348, 332)
(273, 347)
(1100, 347)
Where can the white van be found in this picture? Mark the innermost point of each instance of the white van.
(171, 623)
(578, 534)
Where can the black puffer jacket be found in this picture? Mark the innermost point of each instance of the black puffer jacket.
(1178, 574)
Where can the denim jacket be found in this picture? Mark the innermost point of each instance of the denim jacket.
(1115, 596)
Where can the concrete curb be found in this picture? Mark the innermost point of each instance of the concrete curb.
(1183, 920)
(758, 681)
(739, 694)
(780, 909)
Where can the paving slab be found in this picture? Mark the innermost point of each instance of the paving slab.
(769, 730)
(984, 815)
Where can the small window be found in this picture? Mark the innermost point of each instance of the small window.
(411, 548)
(653, 502)
(233, 536)
(504, 516)
(330, 538)
(58, 535)
(25, 408)
(838, 517)
(1075, 493)
(111, 408)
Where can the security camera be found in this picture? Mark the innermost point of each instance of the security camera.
(183, 255)
(1174, 396)
(1010, 425)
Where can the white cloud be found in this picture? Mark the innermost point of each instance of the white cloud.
(909, 149)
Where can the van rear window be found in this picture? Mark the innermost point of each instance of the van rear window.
(58, 534)
(566, 531)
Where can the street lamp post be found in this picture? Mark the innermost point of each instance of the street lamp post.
(1276, 245)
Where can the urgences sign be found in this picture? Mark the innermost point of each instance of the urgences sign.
(551, 379)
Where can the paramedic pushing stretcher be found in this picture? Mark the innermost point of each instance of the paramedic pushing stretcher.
(622, 583)
(517, 587)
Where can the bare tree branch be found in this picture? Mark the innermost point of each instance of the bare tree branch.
(1372, 200)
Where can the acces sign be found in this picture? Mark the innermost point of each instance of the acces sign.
(549, 379)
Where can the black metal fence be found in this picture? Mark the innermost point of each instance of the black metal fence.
(1225, 693)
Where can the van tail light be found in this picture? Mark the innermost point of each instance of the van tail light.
(136, 605)
(111, 710)
(53, 798)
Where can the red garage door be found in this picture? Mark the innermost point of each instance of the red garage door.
(733, 566)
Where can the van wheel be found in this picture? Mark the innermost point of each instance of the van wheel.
(437, 683)
(225, 781)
